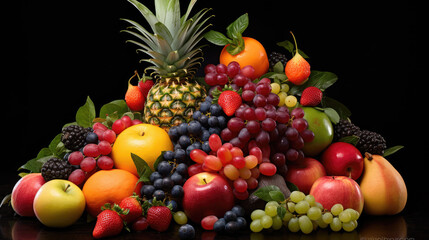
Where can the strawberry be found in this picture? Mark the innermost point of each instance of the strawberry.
(135, 210)
(134, 97)
(145, 85)
(297, 69)
(229, 101)
(109, 223)
(159, 218)
(311, 96)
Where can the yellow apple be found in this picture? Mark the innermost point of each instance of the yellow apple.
(59, 203)
(145, 140)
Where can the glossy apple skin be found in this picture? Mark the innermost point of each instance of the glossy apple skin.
(206, 194)
(321, 126)
(329, 190)
(59, 203)
(23, 194)
(343, 159)
(304, 173)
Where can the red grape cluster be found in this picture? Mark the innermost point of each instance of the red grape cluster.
(280, 134)
(95, 155)
(217, 76)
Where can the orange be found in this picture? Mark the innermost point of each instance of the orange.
(108, 186)
(254, 54)
(144, 140)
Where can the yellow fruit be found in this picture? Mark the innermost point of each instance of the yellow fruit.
(282, 96)
(275, 88)
(284, 88)
(383, 188)
(291, 101)
(145, 140)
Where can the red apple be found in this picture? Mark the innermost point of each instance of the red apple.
(304, 173)
(23, 194)
(329, 190)
(206, 194)
(343, 159)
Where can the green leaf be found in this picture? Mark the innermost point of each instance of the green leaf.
(332, 114)
(288, 45)
(236, 28)
(278, 67)
(292, 187)
(319, 79)
(86, 114)
(281, 211)
(392, 150)
(353, 139)
(159, 159)
(236, 47)
(118, 106)
(341, 109)
(217, 38)
(277, 196)
(264, 192)
(143, 169)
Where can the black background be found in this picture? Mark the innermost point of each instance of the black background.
(64, 51)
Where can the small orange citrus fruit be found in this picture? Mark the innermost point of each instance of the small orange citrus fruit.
(144, 140)
(254, 54)
(108, 186)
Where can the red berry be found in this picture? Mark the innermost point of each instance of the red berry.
(208, 222)
(118, 126)
(104, 148)
(109, 136)
(91, 150)
(127, 121)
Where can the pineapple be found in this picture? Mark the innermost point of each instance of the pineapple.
(175, 58)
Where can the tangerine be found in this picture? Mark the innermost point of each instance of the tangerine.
(108, 186)
(253, 54)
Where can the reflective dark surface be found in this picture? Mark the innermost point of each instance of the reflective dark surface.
(409, 224)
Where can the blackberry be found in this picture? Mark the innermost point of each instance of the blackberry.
(371, 142)
(56, 168)
(74, 137)
(276, 57)
(345, 128)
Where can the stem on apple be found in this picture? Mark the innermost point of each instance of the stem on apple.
(205, 181)
(67, 187)
(368, 156)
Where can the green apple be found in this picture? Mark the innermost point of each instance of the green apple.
(319, 123)
(59, 203)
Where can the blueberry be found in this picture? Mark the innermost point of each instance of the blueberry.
(167, 183)
(168, 155)
(177, 146)
(159, 195)
(196, 115)
(177, 191)
(184, 141)
(164, 168)
(238, 210)
(204, 120)
(206, 147)
(189, 149)
(214, 130)
(222, 122)
(147, 190)
(213, 121)
(232, 227)
(182, 129)
(205, 107)
(219, 225)
(180, 155)
(182, 169)
(242, 223)
(154, 176)
(205, 135)
(176, 178)
(194, 128)
(173, 204)
(197, 145)
(208, 99)
(91, 137)
(173, 133)
(230, 216)
(215, 110)
(158, 183)
(186, 231)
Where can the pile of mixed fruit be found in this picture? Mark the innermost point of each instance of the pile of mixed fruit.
(254, 144)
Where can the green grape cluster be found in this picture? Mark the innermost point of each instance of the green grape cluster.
(301, 212)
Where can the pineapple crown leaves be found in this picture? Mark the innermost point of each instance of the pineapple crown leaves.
(172, 47)
(216, 93)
